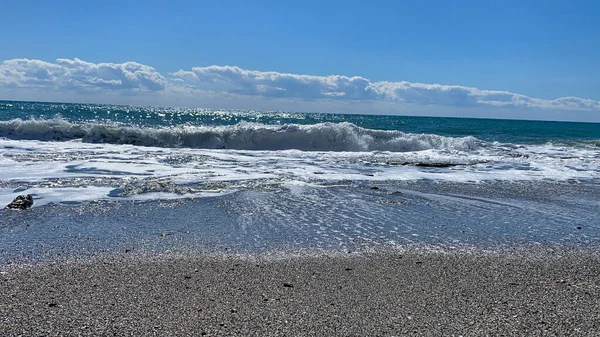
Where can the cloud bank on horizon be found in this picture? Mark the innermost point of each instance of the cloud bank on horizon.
(132, 79)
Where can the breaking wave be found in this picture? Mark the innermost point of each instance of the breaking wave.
(242, 136)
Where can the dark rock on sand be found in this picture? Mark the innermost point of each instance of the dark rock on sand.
(422, 164)
(439, 165)
(21, 202)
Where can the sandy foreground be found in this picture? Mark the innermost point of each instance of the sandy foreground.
(529, 292)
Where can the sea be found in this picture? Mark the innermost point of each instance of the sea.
(140, 179)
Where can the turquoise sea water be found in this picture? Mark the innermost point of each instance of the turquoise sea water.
(508, 131)
(116, 177)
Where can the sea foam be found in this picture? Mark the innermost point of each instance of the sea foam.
(243, 136)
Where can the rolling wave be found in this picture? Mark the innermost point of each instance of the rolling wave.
(243, 136)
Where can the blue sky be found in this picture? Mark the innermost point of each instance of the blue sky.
(543, 50)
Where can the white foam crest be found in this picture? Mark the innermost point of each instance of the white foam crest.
(242, 136)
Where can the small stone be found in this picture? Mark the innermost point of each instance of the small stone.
(21, 202)
(374, 188)
(348, 269)
(51, 305)
(163, 234)
(578, 227)
(233, 311)
(288, 285)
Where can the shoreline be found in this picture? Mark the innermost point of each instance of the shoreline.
(522, 291)
(349, 217)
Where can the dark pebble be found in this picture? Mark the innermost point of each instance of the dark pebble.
(21, 202)
(288, 285)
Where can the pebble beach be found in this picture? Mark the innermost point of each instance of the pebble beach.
(526, 291)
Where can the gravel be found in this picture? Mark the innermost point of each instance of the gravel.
(524, 292)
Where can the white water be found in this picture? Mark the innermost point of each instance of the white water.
(75, 171)
(243, 136)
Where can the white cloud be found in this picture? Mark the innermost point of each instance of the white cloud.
(274, 84)
(79, 75)
(308, 87)
(229, 84)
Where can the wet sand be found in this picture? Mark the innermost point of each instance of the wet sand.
(529, 291)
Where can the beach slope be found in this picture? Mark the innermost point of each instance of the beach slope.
(525, 292)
